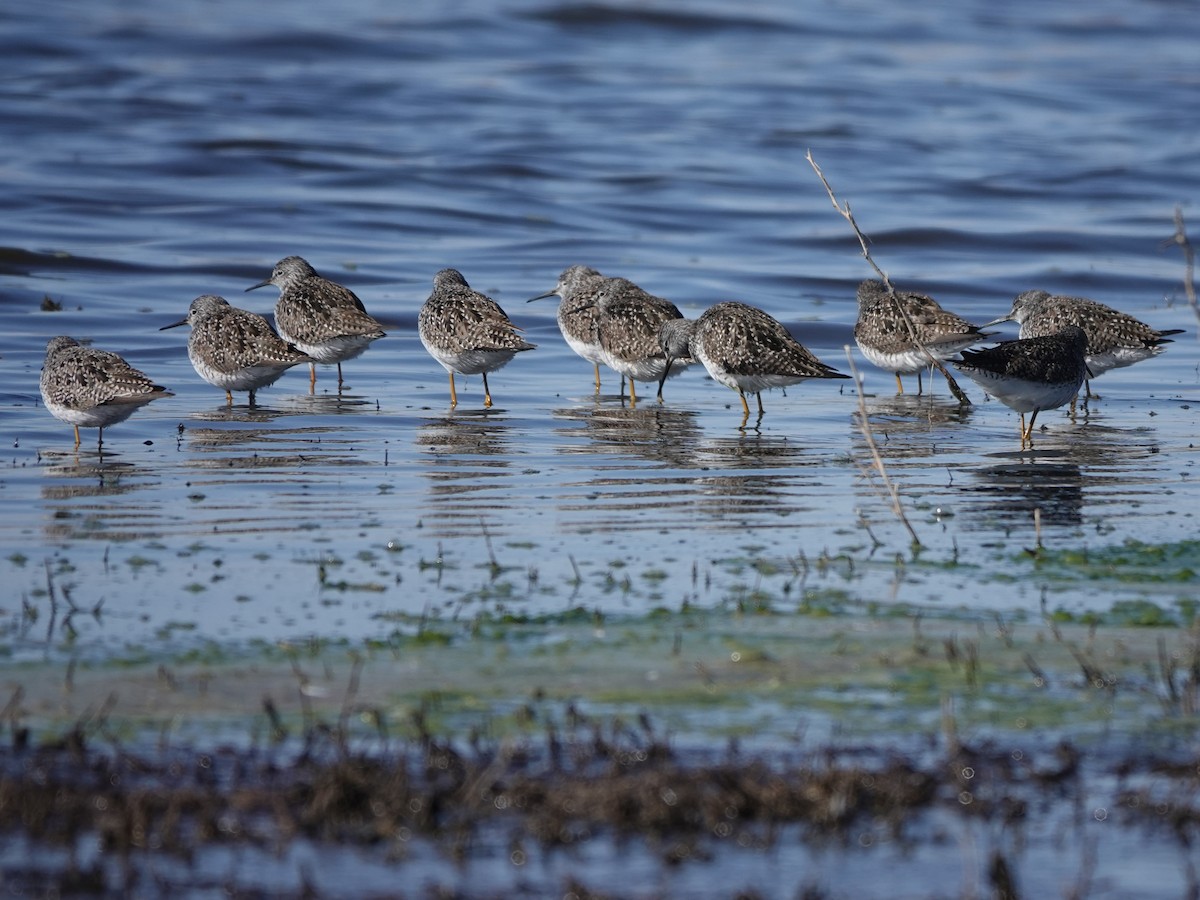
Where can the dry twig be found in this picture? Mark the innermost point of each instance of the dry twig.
(1189, 260)
(864, 425)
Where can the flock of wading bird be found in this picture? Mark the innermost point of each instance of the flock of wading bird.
(1064, 342)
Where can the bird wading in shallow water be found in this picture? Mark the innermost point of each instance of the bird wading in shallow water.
(1114, 339)
(1031, 374)
(90, 388)
(233, 349)
(743, 348)
(319, 317)
(466, 331)
(885, 337)
(577, 313)
(629, 321)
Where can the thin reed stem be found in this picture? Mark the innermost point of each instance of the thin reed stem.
(864, 425)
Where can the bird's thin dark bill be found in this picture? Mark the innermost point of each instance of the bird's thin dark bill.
(255, 287)
(666, 372)
(182, 321)
(542, 296)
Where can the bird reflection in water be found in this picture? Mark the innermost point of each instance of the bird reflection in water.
(258, 447)
(632, 463)
(470, 470)
(472, 433)
(1118, 466)
(1010, 492)
(908, 425)
(652, 433)
(94, 499)
(692, 482)
(758, 479)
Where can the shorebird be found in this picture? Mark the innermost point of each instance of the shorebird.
(91, 388)
(1031, 374)
(1114, 339)
(234, 349)
(886, 340)
(577, 313)
(319, 317)
(466, 331)
(628, 322)
(743, 348)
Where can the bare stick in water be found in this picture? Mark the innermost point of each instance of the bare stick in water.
(844, 210)
(869, 437)
(1189, 260)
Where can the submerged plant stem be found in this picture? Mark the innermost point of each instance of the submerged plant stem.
(864, 425)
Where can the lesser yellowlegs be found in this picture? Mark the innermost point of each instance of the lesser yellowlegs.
(1114, 339)
(319, 317)
(628, 322)
(886, 340)
(90, 388)
(577, 313)
(234, 349)
(1030, 374)
(466, 331)
(743, 348)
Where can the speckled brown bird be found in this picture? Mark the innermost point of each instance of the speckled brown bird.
(628, 322)
(886, 340)
(577, 313)
(1114, 339)
(743, 348)
(90, 388)
(319, 317)
(234, 349)
(466, 331)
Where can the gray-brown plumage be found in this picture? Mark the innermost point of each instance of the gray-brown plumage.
(319, 317)
(743, 348)
(1114, 339)
(1030, 374)
(628, 323)
(234, 349)
(466, 331)
(577, 313)
(91, 388)
(886, 340)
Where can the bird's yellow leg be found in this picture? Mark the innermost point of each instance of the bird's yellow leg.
(487, 394)
(453, 394)
(899, 384)
(1029, 431)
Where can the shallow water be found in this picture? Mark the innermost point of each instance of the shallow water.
(160, 151)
